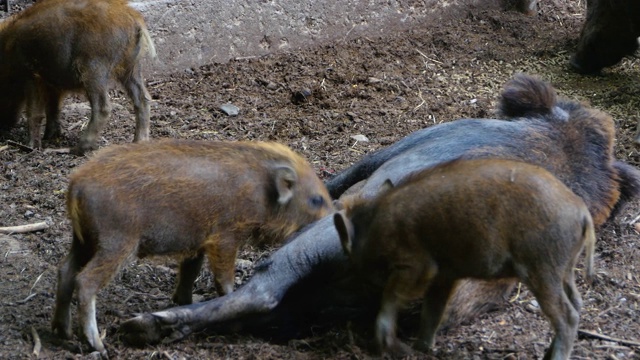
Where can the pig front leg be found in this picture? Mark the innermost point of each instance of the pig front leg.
(222, 250)
(433, 307)
(187, 275)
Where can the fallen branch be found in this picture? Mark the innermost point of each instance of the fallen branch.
(37, 346)
(57, 151)
(20, 146)
(608, 338)
(23, 228)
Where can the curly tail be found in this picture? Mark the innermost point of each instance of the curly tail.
(526, 95)
(146, 43)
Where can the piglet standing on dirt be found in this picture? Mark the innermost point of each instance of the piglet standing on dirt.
(483, 219)
(185, 198)
(59, 46)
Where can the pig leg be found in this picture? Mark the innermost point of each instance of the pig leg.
(433, 307)
(52, 127)
(570, 289)
(134, 85)
(189, 270)
(221, 252)
(114, 250)
(405, 283)
(35, 114)
(548, 290)
(100, 111)
(79, 255)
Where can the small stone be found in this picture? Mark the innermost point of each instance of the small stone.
(230, 109)
(360, 137)
(272, 85)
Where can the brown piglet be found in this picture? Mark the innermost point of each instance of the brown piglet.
(55, 47)
(183, 198)
(483, 219)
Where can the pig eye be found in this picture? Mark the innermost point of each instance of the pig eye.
(316, 201)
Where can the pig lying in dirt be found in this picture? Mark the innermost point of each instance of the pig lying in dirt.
(610, 33)
(185, 198)
(309, 275)
(482, 218)
(59, 46)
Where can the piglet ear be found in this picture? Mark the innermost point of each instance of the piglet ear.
(386, 186)
(344, 226)
(285, 179)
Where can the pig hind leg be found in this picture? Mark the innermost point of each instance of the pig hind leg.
(137, 92)
(96, 86)
(570, 288)
(548, 287)
(78, 257)
(114, 249)
(189, 270)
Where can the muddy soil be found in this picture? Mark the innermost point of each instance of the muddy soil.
(316, 100)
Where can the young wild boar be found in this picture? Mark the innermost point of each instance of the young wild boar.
(184, 198)
(59, 46)
(483, 219)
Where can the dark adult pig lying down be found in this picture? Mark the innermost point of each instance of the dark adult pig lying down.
(310, 274)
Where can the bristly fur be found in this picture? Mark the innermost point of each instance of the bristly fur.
(526, 96)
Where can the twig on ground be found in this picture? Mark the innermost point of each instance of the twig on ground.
(20, 146)
(31, 296)
(37, 345)
(57, 151)
(23, 228)
(608, 338)
(635, 220)
(38, 279)
(428, 58)
(4, 147)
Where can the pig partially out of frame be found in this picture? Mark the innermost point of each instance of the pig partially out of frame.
(184, 198)
(59, 46)
(310, 274)
(483, 219)
(610, 32)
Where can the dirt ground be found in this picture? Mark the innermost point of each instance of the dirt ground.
(315, 101)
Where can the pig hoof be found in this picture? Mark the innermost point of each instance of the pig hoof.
(61, 331)
(422, 346)
(81, 150)
(399, 349)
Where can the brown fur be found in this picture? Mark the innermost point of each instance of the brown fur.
(60, 46)
(181, 198)
(484, 219)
